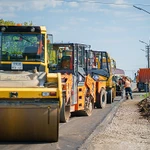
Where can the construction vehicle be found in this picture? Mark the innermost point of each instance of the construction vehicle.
(143, 79)
(100, 74)
(30, 96)
(80, 90)
(77, 87)
(111, 83)
(104, 62)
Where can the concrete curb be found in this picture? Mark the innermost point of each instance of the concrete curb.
(101, 127)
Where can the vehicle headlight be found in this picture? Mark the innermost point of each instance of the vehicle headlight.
(3, 29)
(45, 93)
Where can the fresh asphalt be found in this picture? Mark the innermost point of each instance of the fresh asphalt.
(73, 134)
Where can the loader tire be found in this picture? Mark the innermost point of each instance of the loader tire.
(65, 112)
(109, 96)
(88, 110)
(88, 107)
(101, 99)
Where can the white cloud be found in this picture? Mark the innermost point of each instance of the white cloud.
(41, 4)
(60, 10)
(73, 4)
(91, 7)
(120, 4)
(120, 1)
(12, 5)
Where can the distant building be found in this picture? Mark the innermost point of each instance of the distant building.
(119, 72)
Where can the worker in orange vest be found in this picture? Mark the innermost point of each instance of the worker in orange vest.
(127, 86)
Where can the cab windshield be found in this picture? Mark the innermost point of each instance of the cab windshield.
(21, 47)
(61, 57)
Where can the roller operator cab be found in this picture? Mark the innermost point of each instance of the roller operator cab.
(111, 83)
(99, 70)
(30, 96)
(103, 66)
(78, 88)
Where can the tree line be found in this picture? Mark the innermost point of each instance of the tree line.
(9, 23)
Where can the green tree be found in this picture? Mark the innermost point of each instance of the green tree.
(8, 23)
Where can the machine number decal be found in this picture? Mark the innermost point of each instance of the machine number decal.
(16, 66)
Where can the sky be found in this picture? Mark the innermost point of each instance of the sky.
(114, 26)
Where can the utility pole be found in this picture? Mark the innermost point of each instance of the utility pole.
(147, 50)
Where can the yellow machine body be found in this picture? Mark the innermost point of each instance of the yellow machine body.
(30, 96)
(110, 84)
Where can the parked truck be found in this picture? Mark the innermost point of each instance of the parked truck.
(30, 96)
(143, 79)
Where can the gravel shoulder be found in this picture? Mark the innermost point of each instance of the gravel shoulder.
(128, 130)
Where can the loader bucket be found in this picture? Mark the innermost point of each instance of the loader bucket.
(29, 122)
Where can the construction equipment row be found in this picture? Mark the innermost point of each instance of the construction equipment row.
(42, 83)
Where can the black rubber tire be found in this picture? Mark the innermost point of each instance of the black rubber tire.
(89, 109)
(101, 99)
(86, 111)
(64, 112)
(109, 96)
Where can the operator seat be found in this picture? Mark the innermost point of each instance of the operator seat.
(66, 62)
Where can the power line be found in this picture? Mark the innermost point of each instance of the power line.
(89, 1)
(104, 3)
(141, 9)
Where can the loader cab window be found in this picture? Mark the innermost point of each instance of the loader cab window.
(65, 58)
(90, 60)
(61, 57)
(81, 56)
(105, 62)
(83, 52)
(113, 65)
(22, 47)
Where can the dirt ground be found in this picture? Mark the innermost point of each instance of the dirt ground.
(127, 131)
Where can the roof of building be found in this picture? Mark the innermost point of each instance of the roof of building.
(118, 71)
